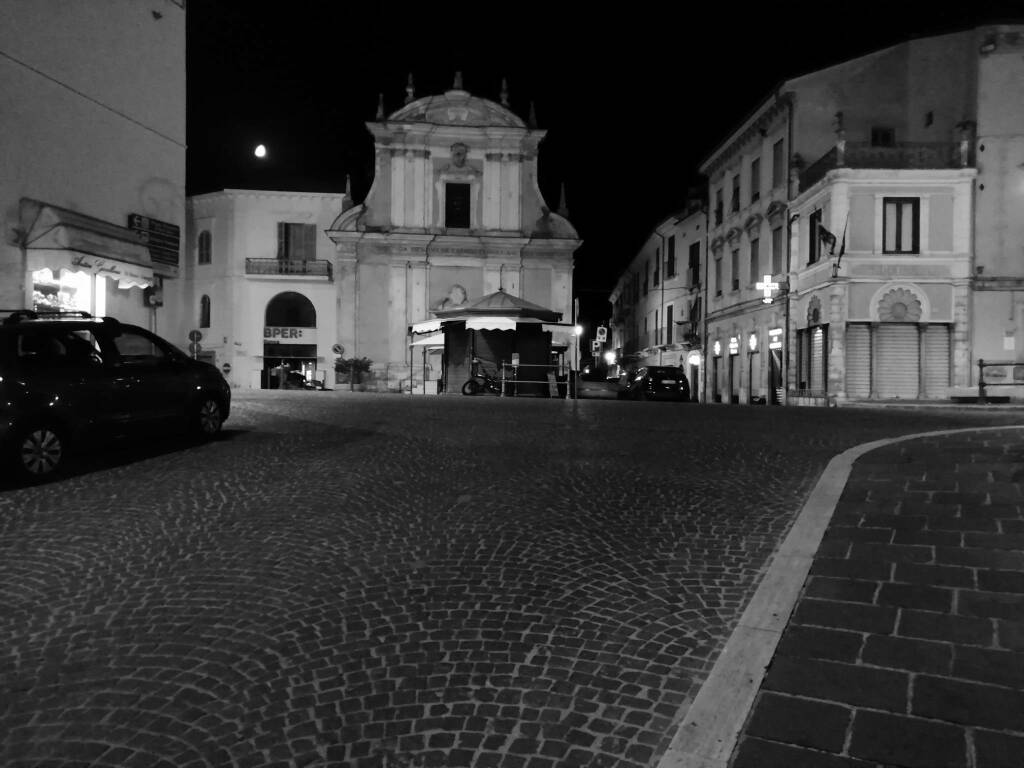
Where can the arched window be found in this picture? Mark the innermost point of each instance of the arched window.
(204, 247)
(204, 312)
(291, 310)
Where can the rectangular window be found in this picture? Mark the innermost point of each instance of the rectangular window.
(657, 329)
(883, 137)
(694, 264)
(735, 201)
(296, 242)
(735, 275)
(814, 237)
(777, 251)
(778, 171)
(668, 324)
(657, 265)
(901, 224)
(670, 258)
(755, 260)
(456, 206)
(755, 179)
(647, 276)
(718, 276)
(719, 206)
(204, 247)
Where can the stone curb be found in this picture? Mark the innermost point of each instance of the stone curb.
(708, 733)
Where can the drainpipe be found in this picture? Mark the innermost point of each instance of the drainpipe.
(789, 254)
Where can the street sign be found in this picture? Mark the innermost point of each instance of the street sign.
(195, 348)
(338, 349)
(195, 335)
(602, 333)
(595, 346)
(162, 238)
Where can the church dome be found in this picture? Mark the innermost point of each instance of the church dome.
(457, 107)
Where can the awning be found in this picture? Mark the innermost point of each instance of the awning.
(437, 340)
(56, 238)
(426, 326)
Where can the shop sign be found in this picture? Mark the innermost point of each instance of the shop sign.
(693, 358)
(161, 237)
(718, 348)
(273, 334)
(734, 345)
(767, 287)
(775, 338)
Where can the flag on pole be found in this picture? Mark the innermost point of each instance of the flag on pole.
(827, 238)
(842, 244)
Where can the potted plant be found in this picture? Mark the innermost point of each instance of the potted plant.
(354, 367)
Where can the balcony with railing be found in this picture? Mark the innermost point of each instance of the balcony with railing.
(902, 155)
(290, 267)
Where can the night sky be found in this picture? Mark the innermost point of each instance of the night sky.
(632, 102)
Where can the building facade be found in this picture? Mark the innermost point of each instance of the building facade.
(861, 244)
(258, 286)
(93, 157)
(656, 302)
(454, 214)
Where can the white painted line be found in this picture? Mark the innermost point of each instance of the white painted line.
(708, 733)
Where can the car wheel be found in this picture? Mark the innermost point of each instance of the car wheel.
(207, 418)
(39, 451)
(471, 387)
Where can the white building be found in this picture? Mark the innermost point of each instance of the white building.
(259, 283)
(907, 161)
(93, 155)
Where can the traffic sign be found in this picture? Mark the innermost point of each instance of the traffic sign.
(195, 348)
(338, 349)
(194, 335)
(595, 346)
(226, 367)
(602, 333)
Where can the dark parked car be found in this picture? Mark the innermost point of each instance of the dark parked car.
(657, 382)
(68, 379)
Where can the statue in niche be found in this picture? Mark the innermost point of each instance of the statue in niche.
(456, 298)
(459, 153)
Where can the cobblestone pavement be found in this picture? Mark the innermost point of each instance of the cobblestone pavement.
(906, 647)
(366, 580)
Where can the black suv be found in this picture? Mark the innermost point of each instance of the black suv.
(657, 382)
(66, 378)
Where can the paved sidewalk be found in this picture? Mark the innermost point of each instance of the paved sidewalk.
(906, 645)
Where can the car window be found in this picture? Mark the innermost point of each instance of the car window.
(58, 348)
(135, 348)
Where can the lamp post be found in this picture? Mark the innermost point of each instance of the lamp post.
(577, 331)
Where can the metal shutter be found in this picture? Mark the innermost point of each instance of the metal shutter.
(936, 361)
(858, 360)
(817, 353)
(898, 365)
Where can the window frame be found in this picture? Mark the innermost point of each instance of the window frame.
(755, 179)
(205, 311)
(670, 258)
(735, 268)
(814, 237)
(204, 248)
(915, 203)
(755, 260)
(778, 164)
(450, 199)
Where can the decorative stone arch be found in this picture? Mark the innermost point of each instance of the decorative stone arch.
(290, 309)
(900, 303)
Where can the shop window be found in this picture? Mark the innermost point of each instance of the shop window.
(901, 224)
(296, 242)
(204, 312)
(456, 206)
(205, 247)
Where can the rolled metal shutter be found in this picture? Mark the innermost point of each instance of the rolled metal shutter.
(858, 360)
(817, 353)
(898, 361)
(936, 361)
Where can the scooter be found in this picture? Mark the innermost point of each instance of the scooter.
(481, 381)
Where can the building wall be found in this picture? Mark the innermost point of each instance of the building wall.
(243, 225)
(93, 98)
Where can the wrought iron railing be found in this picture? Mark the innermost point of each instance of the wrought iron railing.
(903, 155)
(317, 268)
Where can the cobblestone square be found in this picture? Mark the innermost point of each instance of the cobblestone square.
(360, 580)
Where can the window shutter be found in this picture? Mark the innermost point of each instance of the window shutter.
(282, 240)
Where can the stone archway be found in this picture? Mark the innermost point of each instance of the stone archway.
(290, 309)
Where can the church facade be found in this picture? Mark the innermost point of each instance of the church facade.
(454, 214)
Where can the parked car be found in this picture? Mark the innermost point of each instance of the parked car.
(656, 382)
(593, 381)
(69, 379)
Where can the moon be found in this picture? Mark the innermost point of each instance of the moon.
(260, 151)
